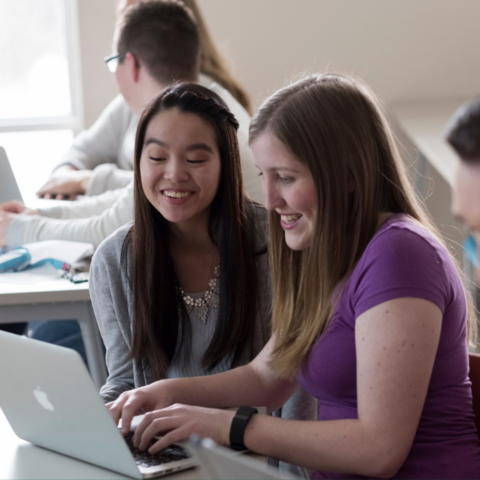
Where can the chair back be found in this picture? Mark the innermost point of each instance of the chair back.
(474, 375)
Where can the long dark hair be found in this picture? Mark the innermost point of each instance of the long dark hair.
(160, 320)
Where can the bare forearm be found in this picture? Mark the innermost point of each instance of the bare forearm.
(252, 385)
(343, 446)
(240, 386)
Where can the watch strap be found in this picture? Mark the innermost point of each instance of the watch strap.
(239, 424)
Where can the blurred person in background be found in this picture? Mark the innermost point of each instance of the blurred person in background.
(463, 134)
(143, 67)
(108, 148)
(97, 161)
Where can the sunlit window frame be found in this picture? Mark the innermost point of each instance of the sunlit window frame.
(74, 121)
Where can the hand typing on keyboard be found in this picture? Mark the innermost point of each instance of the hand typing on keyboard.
(145, 459)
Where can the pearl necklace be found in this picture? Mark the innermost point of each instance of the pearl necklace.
(201, 306)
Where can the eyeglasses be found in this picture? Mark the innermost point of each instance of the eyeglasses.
(113, 60)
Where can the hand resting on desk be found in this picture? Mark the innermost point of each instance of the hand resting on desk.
(15, 206)
(65, 184)
(8, 211)
(5, 220)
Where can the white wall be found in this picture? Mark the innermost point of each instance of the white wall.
(404, 49)
(96, 22)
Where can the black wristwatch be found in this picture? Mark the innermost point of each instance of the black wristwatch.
(239, 424)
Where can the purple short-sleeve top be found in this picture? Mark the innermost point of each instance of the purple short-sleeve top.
(404, 260)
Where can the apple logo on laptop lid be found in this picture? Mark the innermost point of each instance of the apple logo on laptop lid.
(42, 399)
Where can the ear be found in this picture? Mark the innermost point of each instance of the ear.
(133, 66)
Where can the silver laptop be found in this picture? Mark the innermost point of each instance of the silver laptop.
(49, 400)
(218, 462)
(8, 185)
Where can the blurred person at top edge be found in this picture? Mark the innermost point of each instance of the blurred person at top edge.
(463, 134)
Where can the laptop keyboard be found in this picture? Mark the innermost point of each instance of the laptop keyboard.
(172, 453)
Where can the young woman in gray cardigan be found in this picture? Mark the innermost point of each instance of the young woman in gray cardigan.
(194, 231)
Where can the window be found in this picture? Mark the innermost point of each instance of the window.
(40, 91)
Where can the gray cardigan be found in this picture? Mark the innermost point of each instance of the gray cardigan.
(112, 300)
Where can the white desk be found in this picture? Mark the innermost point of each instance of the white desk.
(56, 299)
(424, 124)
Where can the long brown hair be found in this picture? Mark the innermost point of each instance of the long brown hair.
(160, 320)
(334, 125)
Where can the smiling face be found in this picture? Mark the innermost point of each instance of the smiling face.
(180, 166)
(289, 189)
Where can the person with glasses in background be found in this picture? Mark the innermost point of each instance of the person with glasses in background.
(99, 163)
(142, 69)
(95, 163)
(463, 134)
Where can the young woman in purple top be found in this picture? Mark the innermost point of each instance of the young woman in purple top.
(370, 314)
